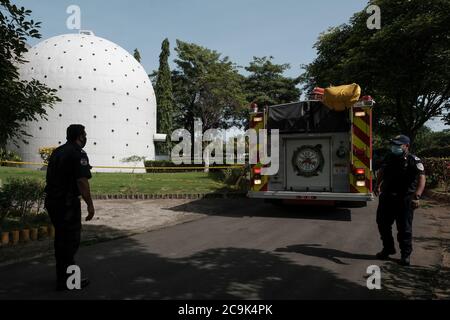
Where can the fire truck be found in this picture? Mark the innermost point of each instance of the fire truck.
(325, 155)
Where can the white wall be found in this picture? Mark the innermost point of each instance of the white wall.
(113, 99)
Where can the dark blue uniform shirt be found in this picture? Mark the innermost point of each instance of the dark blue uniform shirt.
(401, 174)
(67, 163)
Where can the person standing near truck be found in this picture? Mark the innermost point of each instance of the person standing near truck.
(67, 178)
(400, 184)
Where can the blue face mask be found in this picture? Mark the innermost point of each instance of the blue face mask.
(397, 150)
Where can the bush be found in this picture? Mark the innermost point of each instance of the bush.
(436, 152)
(9, 156)
(231, 176)
(165, 163)
(46, 152)
(21, 198)
(438, 172)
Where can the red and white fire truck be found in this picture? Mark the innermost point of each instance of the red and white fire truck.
(325, 154)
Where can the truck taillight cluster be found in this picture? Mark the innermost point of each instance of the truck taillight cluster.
(360, 174)
(257, 176)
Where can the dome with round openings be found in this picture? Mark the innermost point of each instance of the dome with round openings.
(101, 86)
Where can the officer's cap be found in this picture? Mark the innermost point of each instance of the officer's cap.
(400, 140)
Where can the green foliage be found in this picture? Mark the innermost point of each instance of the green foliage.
(435, 152)
(424, 140)
(137, 55)
(438, 172)
(208, 87)
(164, 99)
(166, 163)
(432, 144)
(9, 156)
(21, 197)
(441, 138)
(121, 183)
(404, 65)
(46, 152)
(132, 159)
(20, 101)
(234, 177)
(5, 203)
(266, 85)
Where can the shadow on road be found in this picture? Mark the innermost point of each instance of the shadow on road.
(420, 282)
(315, 250)
(243, 207)
(128, 269)
(429, 243)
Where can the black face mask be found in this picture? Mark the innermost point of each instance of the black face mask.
(83, 141)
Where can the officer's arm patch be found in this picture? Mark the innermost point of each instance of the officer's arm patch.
(420, 166)
(84, 162)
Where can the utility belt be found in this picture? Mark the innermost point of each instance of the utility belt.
(67, 200)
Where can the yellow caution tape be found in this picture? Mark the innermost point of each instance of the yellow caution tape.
(145, 168)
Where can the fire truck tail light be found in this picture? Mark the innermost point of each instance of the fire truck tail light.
(257, 119)
(360, 114)
(257, 170)
(360, 171)
(257, 182)
(360, 183)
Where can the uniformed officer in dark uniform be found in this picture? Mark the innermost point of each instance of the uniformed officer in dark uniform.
(68, 173)
(401, 181)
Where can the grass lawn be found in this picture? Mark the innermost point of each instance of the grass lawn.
(127, 183)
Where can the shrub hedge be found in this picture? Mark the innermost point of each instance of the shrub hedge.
(21, 198)
(231, 176)
(149, 164)
(438, 172)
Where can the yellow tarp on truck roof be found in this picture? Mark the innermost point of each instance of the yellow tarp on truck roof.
(341, 97)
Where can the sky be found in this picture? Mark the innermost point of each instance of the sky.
(240, 29)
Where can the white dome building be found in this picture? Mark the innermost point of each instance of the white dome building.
(102, 87)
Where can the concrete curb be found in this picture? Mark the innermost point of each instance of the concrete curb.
(438, 196)
(230, 195)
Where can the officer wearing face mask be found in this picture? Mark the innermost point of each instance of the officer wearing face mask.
(401, 182)
(67, 178)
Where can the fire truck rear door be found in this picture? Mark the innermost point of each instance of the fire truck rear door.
(308, 164)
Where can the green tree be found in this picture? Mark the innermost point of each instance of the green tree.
(446, 117)
(164, 98)
(208, 87)
(266, 84)
(404, 65)
(20, 101)
(137, 55)
(426, 139)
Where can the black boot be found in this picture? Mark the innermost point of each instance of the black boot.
(384, 254)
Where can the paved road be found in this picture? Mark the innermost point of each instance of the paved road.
(246, 249)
